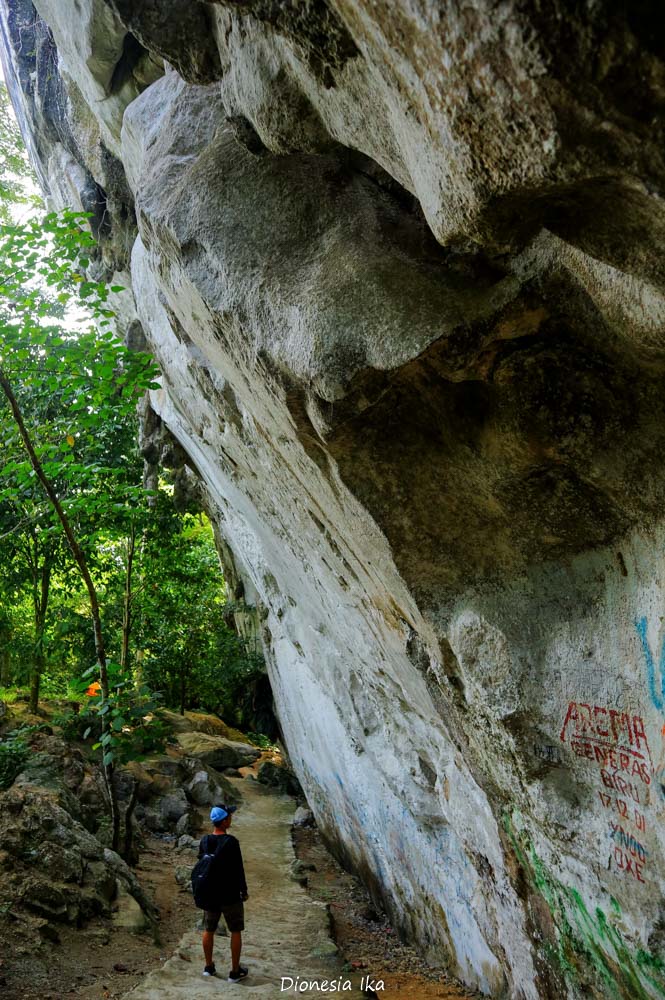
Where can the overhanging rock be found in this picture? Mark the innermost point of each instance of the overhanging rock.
(401, 266)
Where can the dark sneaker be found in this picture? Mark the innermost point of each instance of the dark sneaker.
(235, 977)
(210, 970)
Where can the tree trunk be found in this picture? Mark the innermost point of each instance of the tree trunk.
(127, 602)
(183, 689)
(5, 668)
(128, 852)
(35, 682)
(79, 556)
(40, 599)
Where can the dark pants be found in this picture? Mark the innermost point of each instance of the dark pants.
(234, 917)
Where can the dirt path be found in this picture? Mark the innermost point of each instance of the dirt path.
(287, 931)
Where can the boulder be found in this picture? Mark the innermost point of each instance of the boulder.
(280, 777)
(303, 817)
(169, 785)
(128, 914)
(201, 790)
(217, 751)
(53, 866)
(79, 786)
(183, 825)
(173, 806)
(199, 722)
(206, 786)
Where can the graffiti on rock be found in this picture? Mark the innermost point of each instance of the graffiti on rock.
(606, 734)
(656, 683)
(622, 969)
(616, 742)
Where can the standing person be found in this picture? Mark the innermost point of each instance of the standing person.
(227, 893)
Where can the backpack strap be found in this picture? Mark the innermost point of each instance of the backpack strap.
(219, 846)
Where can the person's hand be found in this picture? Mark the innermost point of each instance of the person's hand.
(244, 896)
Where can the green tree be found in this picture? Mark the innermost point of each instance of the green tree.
(191, 651)
(17, 183)
(42, 267)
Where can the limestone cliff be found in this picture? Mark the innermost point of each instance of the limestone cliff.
(401, 264)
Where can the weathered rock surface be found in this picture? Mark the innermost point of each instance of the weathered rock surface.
(217, 752)
(280, 777)
(303, 817)
(200, 722)
(78, 787)
(401, 265)
(55, 868)
(170, 788)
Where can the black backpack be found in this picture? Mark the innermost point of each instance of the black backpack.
(203, 874)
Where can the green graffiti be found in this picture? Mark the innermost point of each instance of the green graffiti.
(627, 974)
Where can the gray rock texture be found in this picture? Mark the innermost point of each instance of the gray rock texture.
(401, 264)
(303, 817)
(217, 752)
(169, 789)
(52, 866)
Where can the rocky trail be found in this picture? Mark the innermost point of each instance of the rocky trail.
(74, 919)
(288, 930)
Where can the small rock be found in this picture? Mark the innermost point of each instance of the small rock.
(303, 817)
(119, 967)
(186, 843)
(101, 934)
(128, 913)
(300, 868)
(183, 825)
(324, 949)
(183, 874)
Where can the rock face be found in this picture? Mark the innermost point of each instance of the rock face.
(52, 866)
(401, 265)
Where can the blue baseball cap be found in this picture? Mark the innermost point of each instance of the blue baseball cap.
(218, 813)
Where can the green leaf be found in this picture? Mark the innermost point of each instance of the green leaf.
(108, 758)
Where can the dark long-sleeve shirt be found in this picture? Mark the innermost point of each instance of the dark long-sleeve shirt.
(228, 871)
